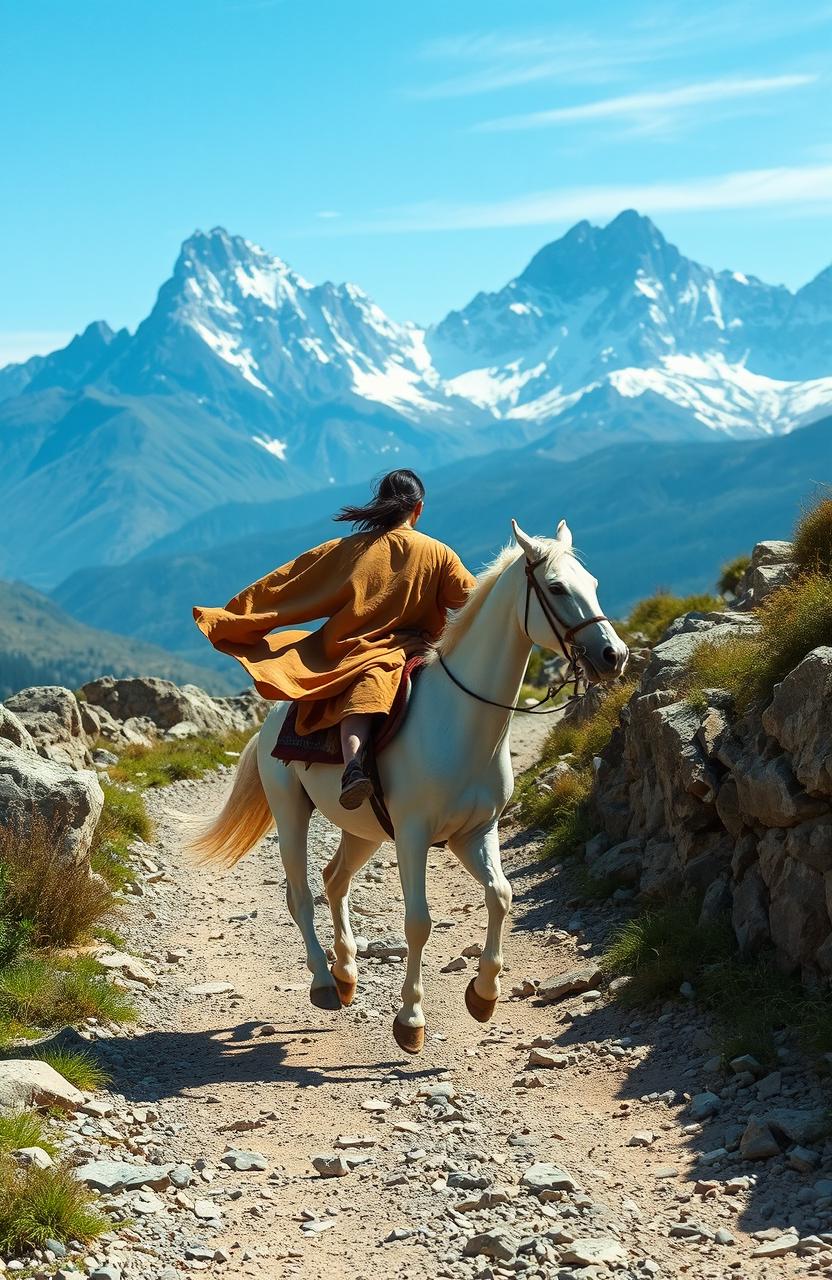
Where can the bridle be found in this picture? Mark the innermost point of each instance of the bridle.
(564, 635)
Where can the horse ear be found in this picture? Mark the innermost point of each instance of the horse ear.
(564, 534)
(523, 540)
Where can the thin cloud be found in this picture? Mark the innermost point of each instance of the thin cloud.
(489, 61)
(806, 187)
(648, 106)
(328, 213)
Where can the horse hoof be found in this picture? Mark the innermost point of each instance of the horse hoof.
(346, 990)
(410, 1039)
(481, 1010)
(326, 997)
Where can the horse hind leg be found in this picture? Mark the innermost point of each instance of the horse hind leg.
(351, 855)
(480, 855)
(293, 810)
(409, 1022)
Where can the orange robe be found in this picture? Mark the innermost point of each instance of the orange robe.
(382, 595)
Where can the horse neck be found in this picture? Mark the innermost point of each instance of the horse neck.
(492, 656)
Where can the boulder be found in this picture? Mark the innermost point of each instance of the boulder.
(14, 731)
(53, 718)
(799, 716)
(112, 1176)
(798, 916)
(67, 800)
(26, 1082)
(164, 705)
(621, 863)
(582, 978)
(770, 567)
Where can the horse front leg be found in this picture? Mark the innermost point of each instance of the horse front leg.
(479, 853)
(409, 1022)
(351, 855)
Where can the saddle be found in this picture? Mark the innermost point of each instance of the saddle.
(324, 745)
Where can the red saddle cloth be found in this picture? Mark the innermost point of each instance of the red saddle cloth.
(324, 746)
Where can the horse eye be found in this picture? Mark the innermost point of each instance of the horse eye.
(557, 589)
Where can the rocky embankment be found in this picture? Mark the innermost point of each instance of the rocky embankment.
(735, 807)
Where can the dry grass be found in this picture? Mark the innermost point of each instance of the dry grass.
(793, 620)
(55, 901)
(813, 538)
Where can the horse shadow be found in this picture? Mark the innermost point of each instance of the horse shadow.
(156, 1065)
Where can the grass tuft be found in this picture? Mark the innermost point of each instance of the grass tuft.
(42, 990)
(731, 574)
(24, 1129)
(664, 947)
(37, 1205)
(77, 1066)
(812, 547)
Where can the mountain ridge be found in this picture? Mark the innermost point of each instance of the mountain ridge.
(247, 382)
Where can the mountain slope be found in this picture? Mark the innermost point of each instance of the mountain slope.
(40, 644)
(644, 516)
(247, 383)
(619, 308)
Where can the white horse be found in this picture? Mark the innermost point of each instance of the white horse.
(447, 775)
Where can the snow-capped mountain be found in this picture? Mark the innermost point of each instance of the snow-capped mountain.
(247, 383)
(615, 323)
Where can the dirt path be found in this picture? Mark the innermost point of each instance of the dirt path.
(455, 1128)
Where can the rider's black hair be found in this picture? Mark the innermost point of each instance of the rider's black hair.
(394, 498)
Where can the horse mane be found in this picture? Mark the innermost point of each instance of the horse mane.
(461, 620)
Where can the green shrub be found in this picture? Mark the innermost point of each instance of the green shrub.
(37, 1205)
(729, 663)
(652, 617)
(731, 574)
(813, 538)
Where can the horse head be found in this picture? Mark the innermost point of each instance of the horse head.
(560, 608)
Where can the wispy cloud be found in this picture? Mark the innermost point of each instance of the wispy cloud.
(648, 107)
(488, 61)
(494, 60)
(328, 213)
(806, 187)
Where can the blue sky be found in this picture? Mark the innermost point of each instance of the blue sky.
(424, 151)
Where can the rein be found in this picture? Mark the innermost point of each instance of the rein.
(564, 635)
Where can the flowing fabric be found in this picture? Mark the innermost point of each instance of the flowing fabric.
(383, 597)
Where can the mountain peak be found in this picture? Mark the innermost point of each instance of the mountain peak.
(587, 257)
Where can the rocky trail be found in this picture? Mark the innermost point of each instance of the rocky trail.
(560, 1141)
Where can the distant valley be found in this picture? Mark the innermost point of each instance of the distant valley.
(643, 515)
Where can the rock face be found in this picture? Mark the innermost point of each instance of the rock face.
(166, 706)
(68, 801)
(735, 808)
(52, 717)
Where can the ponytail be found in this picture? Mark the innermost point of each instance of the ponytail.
(394, 498)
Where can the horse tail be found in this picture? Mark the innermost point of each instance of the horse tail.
(242, 821)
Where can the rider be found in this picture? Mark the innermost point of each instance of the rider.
(384, 592)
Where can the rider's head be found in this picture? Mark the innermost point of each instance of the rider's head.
(398, 498)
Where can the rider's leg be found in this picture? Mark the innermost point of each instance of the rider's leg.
(356, 787)
(355, 732)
